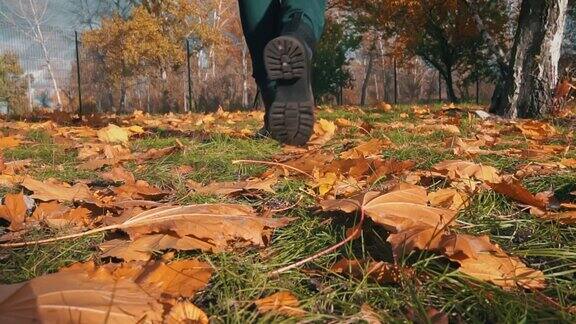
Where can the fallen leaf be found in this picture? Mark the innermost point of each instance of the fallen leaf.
(450, 198)
(119, 174)
(14, 210)
(181, 278)
(48, 191)
(77, 298)
(324, 130)
(369, 315)
(386, 107)
(142, 248)
(186, 312)
(536, 129)
(502, 270)
(207, 227)
(282, 303)
(139, 190)
(228, 188)
(457, 169)
(9, 142)
(512, 188)
(566, 218)
(366, 149)
(380, 272)
(113, 134)
(432, 316)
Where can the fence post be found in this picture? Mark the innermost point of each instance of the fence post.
(78, 74)
(395, 81)
(189, 76)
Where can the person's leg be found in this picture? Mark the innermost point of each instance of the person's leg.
(312, 14)
(261, 22)
(288, 60)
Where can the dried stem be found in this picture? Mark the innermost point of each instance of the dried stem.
(333, 248)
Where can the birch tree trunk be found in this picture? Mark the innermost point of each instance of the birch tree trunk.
(244, 76)
(369, 69)
(527, 90)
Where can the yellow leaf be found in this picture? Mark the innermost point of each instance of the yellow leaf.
(113, 134)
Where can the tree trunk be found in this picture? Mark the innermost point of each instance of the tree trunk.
(122, 103)
(450, 86)
(245, 102)
(367, 77)
(383, 71)
(527, 90)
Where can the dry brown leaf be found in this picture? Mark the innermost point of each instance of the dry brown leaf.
(154, 154)
(502, 270)
(432, 316)
(457, 169)
(113, 134)
(306, 163)
(181, 278)
(9, 142)
(369, 315)
(48, 210)
(282, 303)
(142, 248)
(77, 298)
(139, 190)
(536, 129)
(344, 123)
(452, 129)
(512, 188)
(48, 191)
(366, 149)
(324, 130)
(186, 312)
(14, 210)
(403, 208)
(228, 188)
(569, 163)
(324, 182)
(207, 227)
(406, 207)
(381, 272)
(119, 174)
(566, 218)
(384, 106)
(219, 223)
(450, 198)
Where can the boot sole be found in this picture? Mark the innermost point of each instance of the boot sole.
(291, 115)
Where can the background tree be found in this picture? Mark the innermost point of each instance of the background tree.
(441, 32)
(332, 58)
(129, 48)
(528, 78)
(29, 17)
(12, 83)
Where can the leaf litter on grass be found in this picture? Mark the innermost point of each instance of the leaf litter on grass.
(420, 210)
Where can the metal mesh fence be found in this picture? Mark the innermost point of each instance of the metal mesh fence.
(45, 57)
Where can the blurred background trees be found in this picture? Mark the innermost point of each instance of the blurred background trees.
(135, 54)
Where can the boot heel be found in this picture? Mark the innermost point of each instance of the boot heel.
(285, 59)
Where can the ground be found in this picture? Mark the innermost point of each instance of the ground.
(425, 135)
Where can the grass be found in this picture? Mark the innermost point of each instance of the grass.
(241, 277)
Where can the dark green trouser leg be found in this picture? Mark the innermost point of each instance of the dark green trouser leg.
(261, 24)
(262, 21)
(312, 13)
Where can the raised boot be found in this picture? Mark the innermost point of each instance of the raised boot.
(288, 61)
